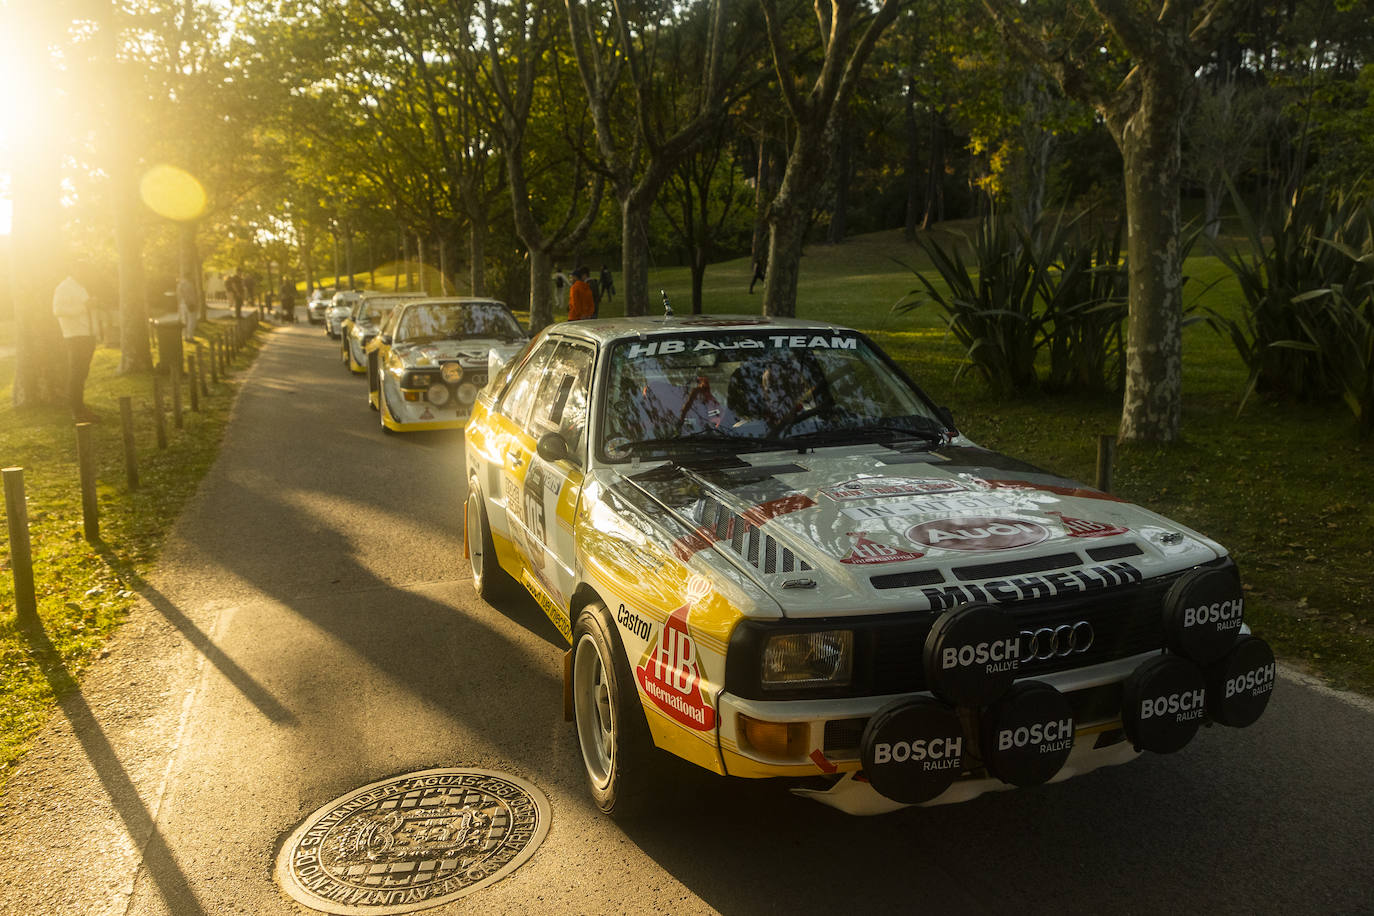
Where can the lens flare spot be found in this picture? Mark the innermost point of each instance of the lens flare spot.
(172, 193)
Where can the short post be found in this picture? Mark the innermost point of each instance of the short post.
(192, 388)
(200, 369)
(158, 422)
(214, 362)
(126, 420)
(174, 373)
(85, 461)
(1106, 460)
(21, 556)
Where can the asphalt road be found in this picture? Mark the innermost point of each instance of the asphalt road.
(310, 629)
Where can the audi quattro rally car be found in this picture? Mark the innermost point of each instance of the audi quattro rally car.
(339, 309)
(320, 301)
(772, 555)
(363, 323)
(431, 357)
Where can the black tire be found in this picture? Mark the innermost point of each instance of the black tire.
(492, 583)
(624, 770)
(382, 412)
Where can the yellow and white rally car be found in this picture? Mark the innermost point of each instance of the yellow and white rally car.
(363, 324)
(773, 555)
(431, 357)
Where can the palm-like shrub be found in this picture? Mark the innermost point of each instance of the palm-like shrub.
(1087, 299)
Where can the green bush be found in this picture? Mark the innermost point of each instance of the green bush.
(1302, 292)
(1087, 296)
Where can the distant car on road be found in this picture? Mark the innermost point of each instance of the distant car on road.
(340, 307)
(362, 325)
(774, 556)
(432, 356)
(320, 300)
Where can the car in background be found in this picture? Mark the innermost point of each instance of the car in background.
(340, 307)
(363, 323)
(773, 555)
(432, 356)
(320, 300)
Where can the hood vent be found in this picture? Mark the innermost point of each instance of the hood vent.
(1016, 567)
(759, 550)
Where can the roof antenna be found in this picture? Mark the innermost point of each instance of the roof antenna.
(667, 306)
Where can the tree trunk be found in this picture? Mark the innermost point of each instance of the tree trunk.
(420, 258)
(761, 178)
(935, 173)
(541, 289)
(634, 251)
(698, 268)
(443, 266)
(839, 213)
(789, 214)
(135, 349)
(477, 252)
(35, 240)
(348, 256)
(338, 276)
(1149, 142)
(912, 164)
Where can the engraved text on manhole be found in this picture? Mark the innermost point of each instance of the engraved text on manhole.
(413, 841)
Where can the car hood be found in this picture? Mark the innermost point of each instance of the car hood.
(470, 352)
(873, 529)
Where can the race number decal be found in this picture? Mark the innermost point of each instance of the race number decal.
(532, 509)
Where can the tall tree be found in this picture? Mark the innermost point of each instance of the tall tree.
(848, 35)
(1160, 45)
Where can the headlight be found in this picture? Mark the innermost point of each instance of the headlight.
(422, 379)
(467, 393)
(438, 393)
(452, 372)
(824, 658)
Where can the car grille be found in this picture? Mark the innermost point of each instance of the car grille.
(759, 550)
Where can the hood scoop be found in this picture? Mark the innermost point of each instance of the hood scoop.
(726, 528)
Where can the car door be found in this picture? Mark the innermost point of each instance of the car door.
(551, 487)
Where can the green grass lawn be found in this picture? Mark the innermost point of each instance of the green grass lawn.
(84, 591)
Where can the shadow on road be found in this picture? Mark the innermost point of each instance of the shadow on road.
(158, 858)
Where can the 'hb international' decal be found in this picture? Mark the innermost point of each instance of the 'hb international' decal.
(669, 673)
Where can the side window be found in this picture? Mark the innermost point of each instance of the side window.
(520, 395)
(562, 402)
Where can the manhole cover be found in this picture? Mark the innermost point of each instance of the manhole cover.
(413, 841)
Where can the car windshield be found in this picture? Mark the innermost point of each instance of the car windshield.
(671, 397)
(430, 321)
(370, 311)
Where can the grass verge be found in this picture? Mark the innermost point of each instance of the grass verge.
(85, 590)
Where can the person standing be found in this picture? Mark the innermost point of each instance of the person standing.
(71, 305)
(607, 283)
(288, 301)
(234, 287)
(759, 265)
(188, 308)
(581, 303)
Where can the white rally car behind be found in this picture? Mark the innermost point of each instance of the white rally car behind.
(773, 556)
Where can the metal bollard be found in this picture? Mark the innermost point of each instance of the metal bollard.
(191, 387)
(126, 420)
(85, 461)
(21, 555)
(1106, 460)
(158, 423)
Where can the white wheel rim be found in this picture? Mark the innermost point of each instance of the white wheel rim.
(595, 711)
(475, 557)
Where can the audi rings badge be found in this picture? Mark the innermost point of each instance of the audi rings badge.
(1056, 642)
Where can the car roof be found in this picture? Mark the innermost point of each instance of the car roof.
(607, 330)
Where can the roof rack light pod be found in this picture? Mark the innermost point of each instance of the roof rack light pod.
(1240, 684)
(1028, 734)
(972, 654)
(1203, 612)
(912, 750)
(1163, 703)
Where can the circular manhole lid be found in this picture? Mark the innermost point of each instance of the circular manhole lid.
(413, 841)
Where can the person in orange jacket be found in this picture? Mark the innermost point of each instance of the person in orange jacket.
(581, 303)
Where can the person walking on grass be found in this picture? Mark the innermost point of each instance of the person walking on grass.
(288, 301)
(581, 302)
(607, 283)
(760, 264)
(71, 305)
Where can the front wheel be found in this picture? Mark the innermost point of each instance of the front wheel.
(617, 752)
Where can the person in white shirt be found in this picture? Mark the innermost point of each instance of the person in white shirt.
(71, 305)
(188, 307)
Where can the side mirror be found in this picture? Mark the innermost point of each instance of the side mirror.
(947, 417)
(552, 447)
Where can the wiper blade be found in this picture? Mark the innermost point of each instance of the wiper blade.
(870, 431)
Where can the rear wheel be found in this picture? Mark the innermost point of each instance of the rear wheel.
(621, 762)
(489, 580)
